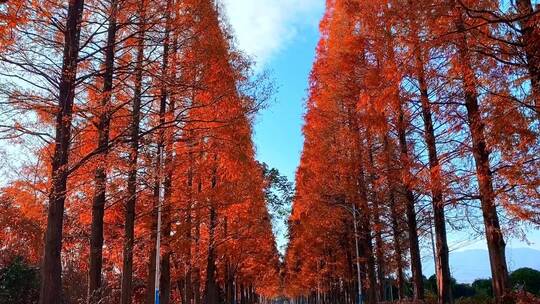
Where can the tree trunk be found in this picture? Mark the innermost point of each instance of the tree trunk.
(379, 244)
(196, 269)
(211, 284)
(151, 278)
(364, 231)
(396, 231)
(165, 284)
(242, 294)
(370, 260)
(412, 228)
(228, 277)
(211, 288)
(51, 272)
(530, 38)
(379, 251)
(100, 175)
(495, 241)
(229, 284)
(416, 265)
(442, 256)
(188, 236)
(129, 226)
(398, 253)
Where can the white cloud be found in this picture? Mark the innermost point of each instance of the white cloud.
(263, 27)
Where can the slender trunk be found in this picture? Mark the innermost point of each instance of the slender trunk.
(364, 231)
(530, 38)
(495, 241)
(414, 247)
(228, 278)
(197, 270)
(379, 244)
(188, 236)
(401, 125)
(242, 294)
(211, 285)
(379, 251)
(442, 256)
(228, 283)
(129, 226)
(100, 175)
(412, 227)
(372, 279)
(398, 252)
(165, 284)
(151, 278)
(197, 285)
(396, 231)
(180, 286)
(51, 272)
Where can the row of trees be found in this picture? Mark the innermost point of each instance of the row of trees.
(110, 111)
(422, 116)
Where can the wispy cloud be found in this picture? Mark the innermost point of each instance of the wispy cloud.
(264, 27)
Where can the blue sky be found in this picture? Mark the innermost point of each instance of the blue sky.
(281, 35)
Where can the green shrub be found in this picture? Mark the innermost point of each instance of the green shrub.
(483, 287)
(526, 279)
(478, 299)
(19, 283)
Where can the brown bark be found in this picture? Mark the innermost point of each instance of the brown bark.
(398, 251)
(412, 227)
(365, 231)
(151, 278)
(242, 294)
(51, 272)
(196, 270)
(188, 279)
(414, 248)
(167, 185)
(129, 226)
(100, 175)
(494, 236)
(442, 254)
(211, 287)
(228, 278)
(188, 235)
(396, 231)
(530, 38)
(229, 281)
(368, 256)
(379, 253)
(379, 244)
(211, 292)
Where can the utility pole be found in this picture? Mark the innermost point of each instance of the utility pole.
(158, 232)
(355, 225)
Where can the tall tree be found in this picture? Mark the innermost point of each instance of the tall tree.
(100, 179)
(51, 272)
(494, 236)
(131, 195)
